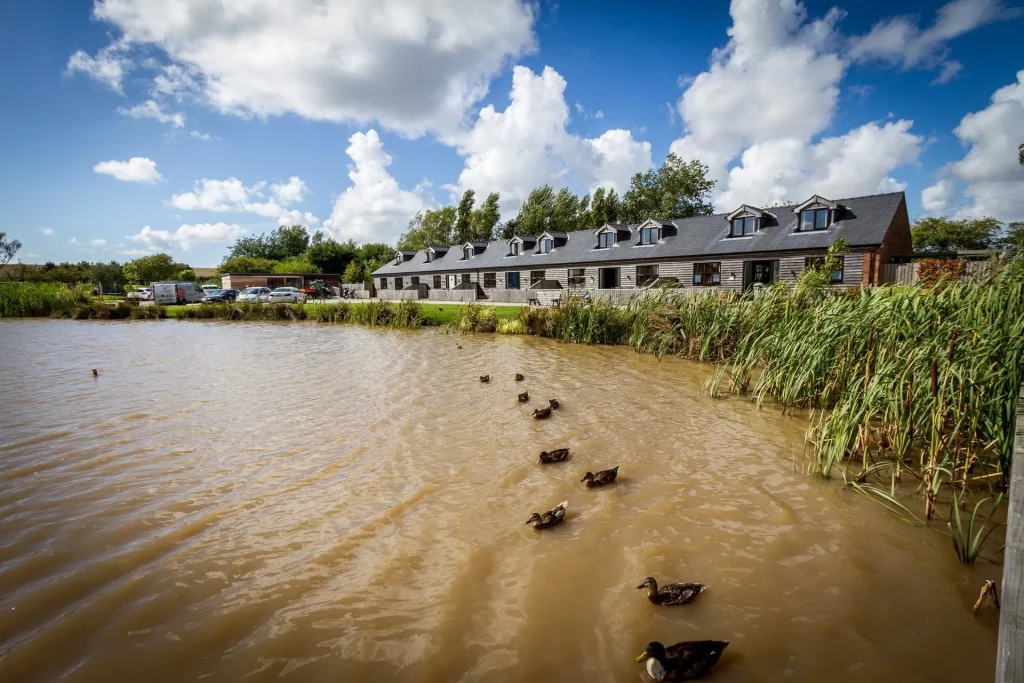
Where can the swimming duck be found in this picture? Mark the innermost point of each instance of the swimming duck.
(682, 661)
(671, 594)
(553, 402)
(95, 372)
(519, 378)
(485, 378)
(524, 397)
(557, 455)
(541, 413)
(550, 518)
(602, 478)
(458, 346)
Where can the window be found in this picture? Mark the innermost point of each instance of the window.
(536, 276)
(383, 283)
(707, 274)
(414, 280)
(490, 280)
(512, 280)
(818, 261)
(577, 278)
(437, 282)
(814, 219)
(546, 245)
(398, 283)
(742, 227)
(648, 236)
(645, 275)
(605, 240)
(430, 256)
(515, 248)
(465, 278)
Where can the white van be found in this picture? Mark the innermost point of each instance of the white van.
(168, 293)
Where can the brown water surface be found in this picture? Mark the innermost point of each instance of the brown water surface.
(316, 503)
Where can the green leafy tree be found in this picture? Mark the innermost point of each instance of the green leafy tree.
(604, 208)
(152, 268)
(330, 256)
(536, 213)
(818, 276)
(282, 243)
(295, 264)
(942, 234)
(676, 190)
(485, 219)
(246, 264)
(565, 213)
(186, 275)
(430, 228)
(8, 248)
(355, 272)
(464, 218)
(1013, 241)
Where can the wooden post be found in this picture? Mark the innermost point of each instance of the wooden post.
(1010, 657)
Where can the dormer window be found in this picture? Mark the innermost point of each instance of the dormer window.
(605, 240)
(648, 236)
(430, 256)
(743, 227)
(467, 252)
(814, 219)
(399, 259)
(515, 248)
(546, 245)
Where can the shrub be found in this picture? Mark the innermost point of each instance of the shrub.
(933, 270)
(511, 327)
(407, 314)
(476, 318)
(24, 299)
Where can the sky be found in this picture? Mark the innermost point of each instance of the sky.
(137, 126)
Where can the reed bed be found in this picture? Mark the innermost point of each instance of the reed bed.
(26, 299)
(372, 313)
(476, 318)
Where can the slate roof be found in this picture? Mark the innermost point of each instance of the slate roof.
(863, 223)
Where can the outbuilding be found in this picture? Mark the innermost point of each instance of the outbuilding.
(240, 281)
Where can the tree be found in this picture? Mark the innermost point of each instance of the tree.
(485, 219)
(604, 208)
(676, 190)
(535, 214)
(1013, 241)
(152, 269)
(942, 234)
(354, 273)
(280, 244)
(430, 228)
(330, 256)
(295, 264)
(565, 213)
(186, 275)
(8, 248)
(464, 218)
(245, 264)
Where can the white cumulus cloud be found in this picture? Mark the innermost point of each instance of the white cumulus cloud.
(527, 145)
(205, 137)
(108, 66)
(374, 208)
(412, 66)
(187, 236)
(47, 231)
(233, 195)
(988, 180)
(97, 242)
(150, 109)
(136, 170)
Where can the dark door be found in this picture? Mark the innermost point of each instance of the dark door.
(512, 280)
(609, 278)
(763, 272)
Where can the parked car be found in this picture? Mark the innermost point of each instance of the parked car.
(251, 295)
(177, 292)
(220, 296)
(289, 295)
(210, 289)
(140, 294)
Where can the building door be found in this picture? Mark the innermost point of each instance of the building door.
(512, 280)
(759, 272)
(452, 281)
(608, 278)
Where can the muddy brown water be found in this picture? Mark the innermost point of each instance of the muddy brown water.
(316, 503)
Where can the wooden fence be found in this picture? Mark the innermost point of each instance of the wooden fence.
(909, 273)
(1010, 656)
(452, 295)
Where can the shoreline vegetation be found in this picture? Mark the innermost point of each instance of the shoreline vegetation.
(905, 387)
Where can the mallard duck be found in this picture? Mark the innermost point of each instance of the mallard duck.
(519, 378)
(550, 518)
(557, 455)
(602, 478)
(524, 397)
(541, 413)
(671, 594)
(95, 372)
(553, 402)
(682, 661)
(485, 378)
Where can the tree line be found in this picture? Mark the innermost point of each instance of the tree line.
(677, 189)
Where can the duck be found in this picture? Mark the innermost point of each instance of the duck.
(553, 403)
(683, 661)
(458, 346)
(551, 518)
(519, 378)
(95, 372)
(556, 455)
(671, 594)
(485, 378)
(524, 397)
(541, 413)
(602, 478)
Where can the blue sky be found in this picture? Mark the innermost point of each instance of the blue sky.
(178, 125)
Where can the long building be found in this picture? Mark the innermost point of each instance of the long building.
(730, 251)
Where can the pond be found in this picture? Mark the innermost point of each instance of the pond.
(311, 503)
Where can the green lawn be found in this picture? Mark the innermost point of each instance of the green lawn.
(433, 313)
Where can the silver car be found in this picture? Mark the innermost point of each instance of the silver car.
(289, 295)
(251, 295)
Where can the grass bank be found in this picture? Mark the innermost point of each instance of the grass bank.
(27, 299)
